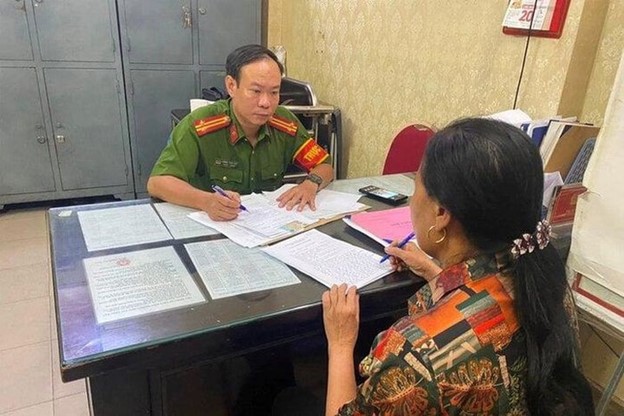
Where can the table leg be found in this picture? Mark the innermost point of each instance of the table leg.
(610, 389)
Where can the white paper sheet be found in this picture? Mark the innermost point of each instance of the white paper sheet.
(329, 204)
(330, 261)
(121, 227)
(514, 117)
(179, 224)
(228, 269)
(139, 282)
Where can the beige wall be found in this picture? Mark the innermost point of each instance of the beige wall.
(606, 63)
(386, 64)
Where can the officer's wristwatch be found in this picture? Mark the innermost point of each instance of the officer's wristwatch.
(314, 178)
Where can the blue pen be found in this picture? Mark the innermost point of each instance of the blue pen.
(401, 244)
(220, 191)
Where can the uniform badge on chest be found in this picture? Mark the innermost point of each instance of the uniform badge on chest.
(226, 163)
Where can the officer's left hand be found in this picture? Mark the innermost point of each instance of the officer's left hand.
(299, 196)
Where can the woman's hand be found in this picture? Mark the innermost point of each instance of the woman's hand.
(341, 317)
(413, 257)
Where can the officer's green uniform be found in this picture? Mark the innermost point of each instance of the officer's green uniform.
(208, 147)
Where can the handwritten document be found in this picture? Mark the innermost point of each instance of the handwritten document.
(121, 227)
(329, 260)
(228, 269)
(179, 224)
(140, 282)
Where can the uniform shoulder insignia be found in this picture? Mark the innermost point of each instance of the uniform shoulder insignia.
(283, 124)
(211, 124)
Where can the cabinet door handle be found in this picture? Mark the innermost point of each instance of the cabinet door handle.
(41, 139)
(60, 138)
(186, 17)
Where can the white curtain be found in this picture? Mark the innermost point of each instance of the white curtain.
(597, 249)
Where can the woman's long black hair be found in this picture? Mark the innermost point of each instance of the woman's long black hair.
(489, 175)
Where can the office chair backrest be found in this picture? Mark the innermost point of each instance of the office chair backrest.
(407, 149)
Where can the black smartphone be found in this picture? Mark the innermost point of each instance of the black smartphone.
(384, 195)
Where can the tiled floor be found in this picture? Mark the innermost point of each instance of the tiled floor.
(30, 381)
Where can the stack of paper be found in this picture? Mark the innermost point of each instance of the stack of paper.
(264, 222)
(514, 117)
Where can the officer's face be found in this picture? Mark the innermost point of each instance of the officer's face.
(256, 95)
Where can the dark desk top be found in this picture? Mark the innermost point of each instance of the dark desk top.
(204, 331)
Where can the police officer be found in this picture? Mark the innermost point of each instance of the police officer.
(242, 144)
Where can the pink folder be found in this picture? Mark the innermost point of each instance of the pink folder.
(389, 224)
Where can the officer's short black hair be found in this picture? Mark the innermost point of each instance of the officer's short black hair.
(245, 55)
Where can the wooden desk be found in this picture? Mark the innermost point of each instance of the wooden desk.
(127, 362)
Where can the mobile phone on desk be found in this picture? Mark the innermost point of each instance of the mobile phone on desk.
(384, 195)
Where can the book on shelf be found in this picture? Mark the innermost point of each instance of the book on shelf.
(599, 294)
(562, 207)
(536, 130)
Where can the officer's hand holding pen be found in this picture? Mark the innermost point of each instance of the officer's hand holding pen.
(222, 206)
(220, 191)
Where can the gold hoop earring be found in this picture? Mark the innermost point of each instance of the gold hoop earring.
(439, 240)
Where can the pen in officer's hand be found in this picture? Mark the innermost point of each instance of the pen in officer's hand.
(400, 245)
(220, 191)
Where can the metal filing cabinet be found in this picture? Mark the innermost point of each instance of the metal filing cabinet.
(68, 67)
(63, 130)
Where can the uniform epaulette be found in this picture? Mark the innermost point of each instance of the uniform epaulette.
(283, 124)
(211, 124)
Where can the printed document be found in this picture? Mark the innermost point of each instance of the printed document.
(140, 282)
(329, 260)
(121, 227)
(228, 269)
(179, 224)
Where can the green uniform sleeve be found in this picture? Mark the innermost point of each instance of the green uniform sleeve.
(181, 155)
